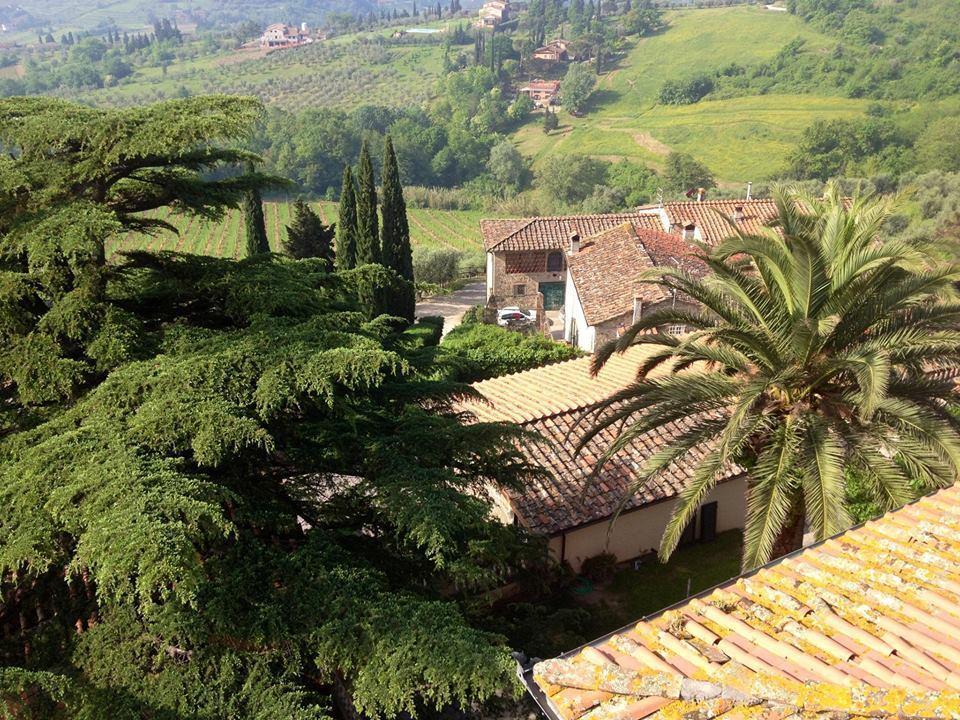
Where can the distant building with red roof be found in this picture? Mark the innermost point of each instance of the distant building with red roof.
(280, 35)
(542, 92)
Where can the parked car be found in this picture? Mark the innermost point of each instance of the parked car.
(514, 316)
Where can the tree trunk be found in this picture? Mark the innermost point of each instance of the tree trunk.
(791, 537)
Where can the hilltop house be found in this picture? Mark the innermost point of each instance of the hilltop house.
(568, 508)
(280, 35)
(555, 51)
(542, 92)
(493, 12)
(863, 625)
(532, 261)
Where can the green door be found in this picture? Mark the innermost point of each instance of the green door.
(552, 295)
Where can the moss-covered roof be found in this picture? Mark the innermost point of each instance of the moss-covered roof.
(866, 624)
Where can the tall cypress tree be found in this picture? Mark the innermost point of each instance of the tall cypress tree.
(368, 235)
(256, 230)
(395, 236)
(346, 245)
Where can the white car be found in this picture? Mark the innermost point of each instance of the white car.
(515, 316)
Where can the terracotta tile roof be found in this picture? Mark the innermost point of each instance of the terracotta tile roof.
(554, 389)
(547, 85)
(866, 624)
(606, 270)
(671, 250)
(553, 402)
(553, 233)
(708, 216)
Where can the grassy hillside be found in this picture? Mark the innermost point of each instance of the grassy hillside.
(740, 139)
(457, 229)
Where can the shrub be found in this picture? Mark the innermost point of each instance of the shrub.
(571, 179)
(490, 350)
(685, 92)
(436, 266)
(424, 333)
(474, 316)
(599, 568)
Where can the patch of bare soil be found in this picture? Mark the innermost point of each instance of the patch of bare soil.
(649, 142)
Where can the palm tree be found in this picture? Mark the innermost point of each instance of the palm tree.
(814, 352)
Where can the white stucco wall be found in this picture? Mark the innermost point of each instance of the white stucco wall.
(638, 532)
(490, 270)
(573, 312)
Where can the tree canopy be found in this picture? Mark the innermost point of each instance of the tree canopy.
(222, 485)
(813, 353)
(307, 236)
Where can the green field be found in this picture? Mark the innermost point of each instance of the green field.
(740, 139)
(456, 229)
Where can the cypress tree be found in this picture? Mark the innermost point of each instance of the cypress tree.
(395, 236)
(368, 235)
(307, 236)
(346, 247)
(256, 230)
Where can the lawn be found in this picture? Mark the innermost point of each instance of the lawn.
(740, 139)
(654, 585)
(568, 619)
(456, 229)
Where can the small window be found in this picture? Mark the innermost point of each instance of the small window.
(574, 333)
(676, 329)
(519, 289)
(555, 262)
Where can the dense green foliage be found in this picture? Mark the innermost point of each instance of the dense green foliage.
(368, 220)
(490, 350)
(307, 236)
(346, 242)
(685, 92)
(811, 356)
(257, 486)
(444, 143)
(830, 149)
(396, 252)
(255, 228)
(577, 87)
(683, 173)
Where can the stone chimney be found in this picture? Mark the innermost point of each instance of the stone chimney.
(738, 213)
(701, 194)
(574, 243)
(689, 231)
(749, 189)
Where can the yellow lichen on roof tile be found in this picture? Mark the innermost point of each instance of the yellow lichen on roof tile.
(865, 625)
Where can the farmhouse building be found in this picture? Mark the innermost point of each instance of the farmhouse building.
(555, 51)
(493, 13)
(566, 506)
(542, 92)
(863, 625)
(604, 294)
(279, 35)
(529, 260)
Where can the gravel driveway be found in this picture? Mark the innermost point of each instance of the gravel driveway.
(452, 307)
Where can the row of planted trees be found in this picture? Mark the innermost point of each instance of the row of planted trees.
(362, 235)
